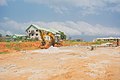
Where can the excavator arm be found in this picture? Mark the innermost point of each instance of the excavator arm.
(46, 43)
(42, 38)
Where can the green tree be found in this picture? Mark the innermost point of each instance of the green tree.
(0, 35)
(62, 35)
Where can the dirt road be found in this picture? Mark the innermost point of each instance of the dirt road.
(65, 63)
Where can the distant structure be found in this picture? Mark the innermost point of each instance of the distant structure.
(15, 37)
(18, 37)
(107, 39)
(115, 40)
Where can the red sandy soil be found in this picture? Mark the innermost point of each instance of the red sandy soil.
(63, 63)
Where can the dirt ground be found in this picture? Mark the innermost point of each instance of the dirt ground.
(63, 63)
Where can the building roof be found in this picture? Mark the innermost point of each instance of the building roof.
(54, 31)
(35, 26)
(41, 28)
(20, 35)
(109, 38)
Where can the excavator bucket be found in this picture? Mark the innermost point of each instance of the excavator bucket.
(45, 46)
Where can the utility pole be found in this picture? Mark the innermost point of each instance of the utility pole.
(117, 42)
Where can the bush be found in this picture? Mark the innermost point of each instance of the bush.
(2, 39)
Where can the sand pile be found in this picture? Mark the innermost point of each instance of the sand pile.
(52, 50)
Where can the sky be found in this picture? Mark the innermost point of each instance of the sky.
(77, 18)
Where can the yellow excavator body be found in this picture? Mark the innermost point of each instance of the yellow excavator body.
(47, 39)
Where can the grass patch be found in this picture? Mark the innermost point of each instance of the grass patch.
(71, 42)
(17, 48)
(3, 52)
(8, 46)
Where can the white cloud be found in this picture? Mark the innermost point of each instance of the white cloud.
(9, 33)
(87, 6)
(2, 32)
(115, 8)
(8, 26)
(3, 2)
(71, 28)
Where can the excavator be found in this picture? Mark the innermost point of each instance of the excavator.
(49, 39)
